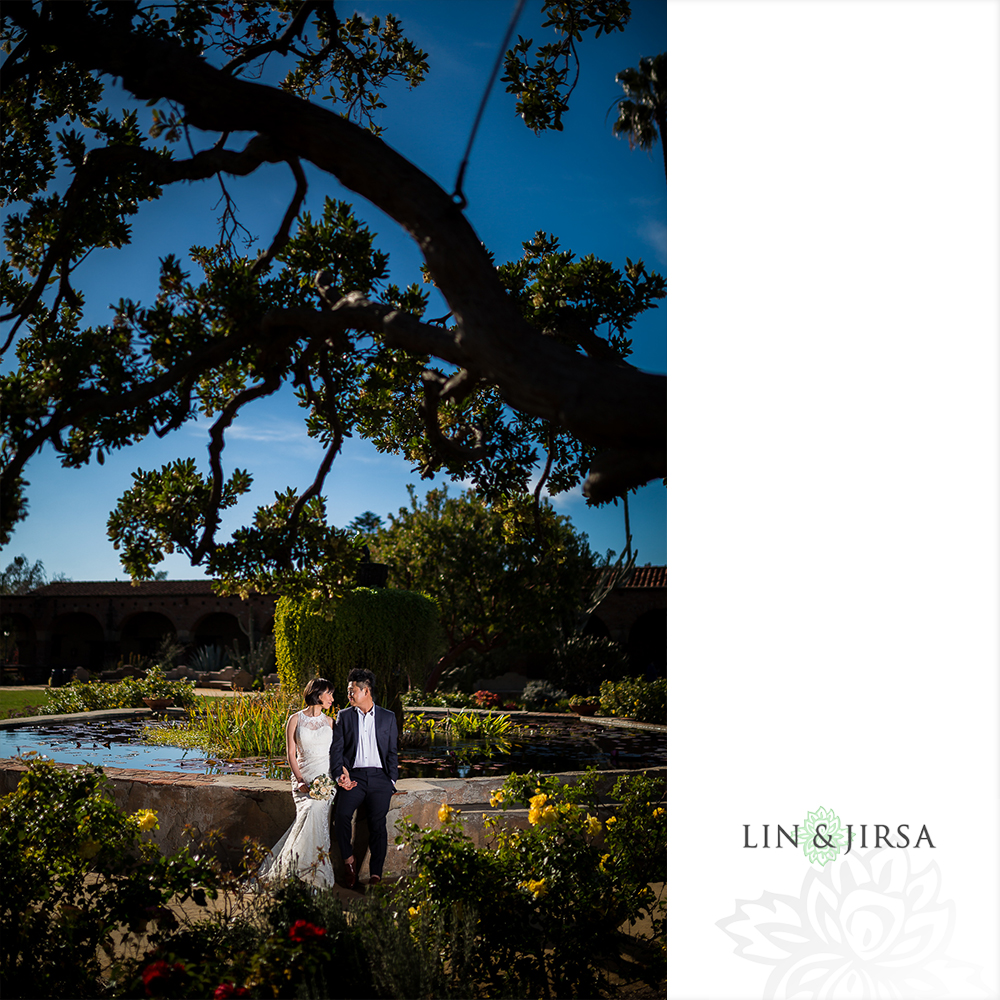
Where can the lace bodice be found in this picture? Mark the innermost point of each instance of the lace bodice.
(313, 737)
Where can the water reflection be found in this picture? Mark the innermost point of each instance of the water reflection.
(568, 747)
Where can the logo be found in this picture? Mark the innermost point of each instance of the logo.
(822, 836)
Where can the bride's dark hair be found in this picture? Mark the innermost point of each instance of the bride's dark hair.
(316, 687)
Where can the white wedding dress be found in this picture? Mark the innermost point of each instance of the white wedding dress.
(304, 849)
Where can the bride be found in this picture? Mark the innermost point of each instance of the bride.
(304, 849)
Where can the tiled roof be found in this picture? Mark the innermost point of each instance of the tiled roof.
(123, 588)
(647, 576)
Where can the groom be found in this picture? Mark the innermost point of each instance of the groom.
(364, 758)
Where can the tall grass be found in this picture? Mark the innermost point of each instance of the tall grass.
(246, 725)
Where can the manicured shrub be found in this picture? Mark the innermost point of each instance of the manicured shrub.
(393, 633)
(127, 693)
(635, 698)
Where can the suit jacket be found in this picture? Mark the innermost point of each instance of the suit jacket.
(345, 741)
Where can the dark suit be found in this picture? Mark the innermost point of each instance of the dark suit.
(375, 785)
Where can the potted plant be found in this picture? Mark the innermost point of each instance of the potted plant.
(584, 704)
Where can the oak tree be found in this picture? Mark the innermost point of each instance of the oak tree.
(529, 368)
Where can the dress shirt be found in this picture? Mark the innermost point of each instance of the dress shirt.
(367, 755)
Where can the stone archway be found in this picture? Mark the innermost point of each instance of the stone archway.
(647, 644)
(219, 629)
(77, 641)
(19, 642)
(142, 633)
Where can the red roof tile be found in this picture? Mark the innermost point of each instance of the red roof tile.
(647, 576)
(123, 588)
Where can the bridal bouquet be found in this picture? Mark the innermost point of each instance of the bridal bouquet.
(322, 787)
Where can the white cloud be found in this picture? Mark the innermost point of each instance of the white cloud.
(654, 233)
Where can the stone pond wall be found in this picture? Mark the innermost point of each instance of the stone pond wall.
(262, 809)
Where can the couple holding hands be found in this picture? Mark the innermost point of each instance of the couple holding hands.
(361, 753)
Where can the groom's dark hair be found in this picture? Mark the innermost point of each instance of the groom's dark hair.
(361, 676)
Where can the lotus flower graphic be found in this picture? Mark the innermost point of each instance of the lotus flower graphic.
(867, 926)
(824, 835)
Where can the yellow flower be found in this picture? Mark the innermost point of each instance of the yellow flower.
(414, 910)
(658, 811)
(539, 800)
(566, 807)
(445, 813)
(496, 798)
(146, 819)
(593, 825)
(603, 862)
(611, 820)
(537, 887)
(541, 814)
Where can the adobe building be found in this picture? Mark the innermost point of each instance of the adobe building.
(634, 614)
(96, 624)
(71, 624)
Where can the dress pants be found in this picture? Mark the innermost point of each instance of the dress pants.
(375, 790)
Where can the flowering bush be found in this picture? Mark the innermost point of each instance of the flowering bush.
(487, 699)
(545, 902)
(635, 698)
(74, 869)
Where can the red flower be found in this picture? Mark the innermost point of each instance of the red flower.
(302, 931)
(157, 975)
(226, 991)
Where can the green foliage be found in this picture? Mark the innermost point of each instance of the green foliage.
(543, 88)
(437, 699)
(473, 725)
(246, 725)
(579, 663)
(540, 694)
(74, 870)
(20, 576)
(546, 901)
(496, 571)
(391, 632)
(227, 327)
(126, 693)
(642, 112)
(209, 658)
(635, 698)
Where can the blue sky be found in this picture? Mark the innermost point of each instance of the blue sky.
(583, 185)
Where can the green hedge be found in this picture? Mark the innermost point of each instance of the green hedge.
(393, 633)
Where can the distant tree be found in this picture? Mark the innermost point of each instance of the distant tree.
(484, 564)
(642, 112)
(20, 576)
(365, 524)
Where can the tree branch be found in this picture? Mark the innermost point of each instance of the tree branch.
(619, 409)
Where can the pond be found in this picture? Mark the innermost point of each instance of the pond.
(560, 747)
